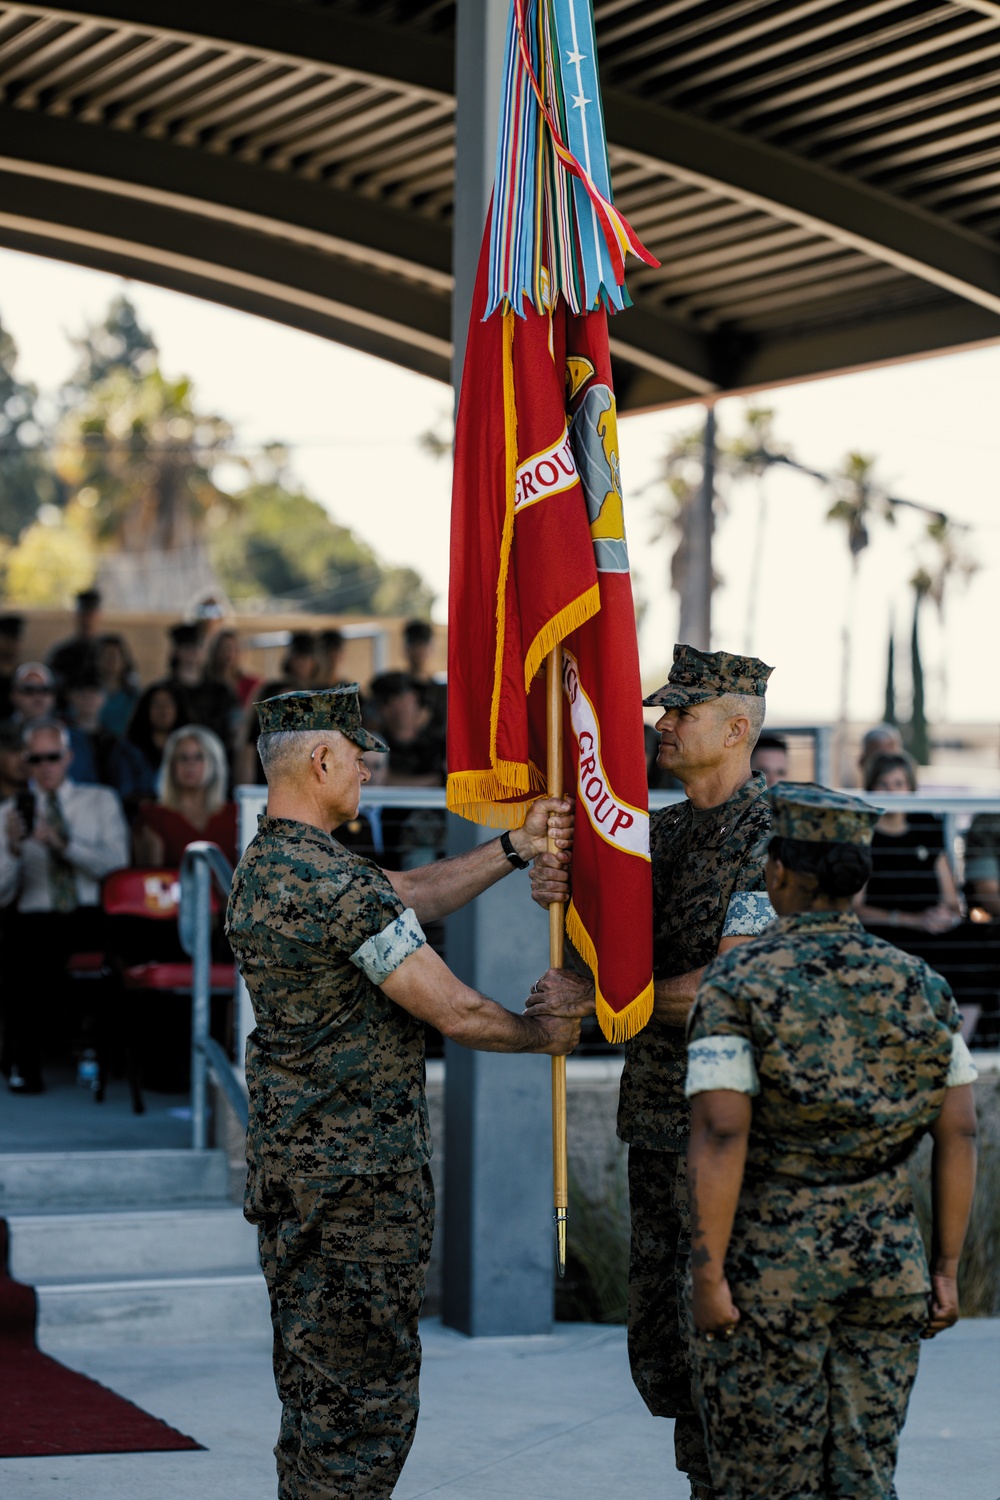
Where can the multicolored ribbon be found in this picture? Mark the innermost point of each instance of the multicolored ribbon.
(554, 228)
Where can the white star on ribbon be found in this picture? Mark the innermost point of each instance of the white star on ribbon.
(575, 58)
(579, 102)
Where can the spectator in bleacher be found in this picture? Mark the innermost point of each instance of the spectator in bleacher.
(162, 708)
(224, 666)
(11, 630)
(99, 756)
(68, 658)
(32, 693)
(912, 885)
(211, 701)
(883, 739)
(192, 801)
(418, 647)
(982, 865)
(13, 770)
(331, 653)
(120, 680)
(406, 722)
(52, 869)
(770, 755)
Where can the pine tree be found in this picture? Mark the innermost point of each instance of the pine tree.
(26, 479)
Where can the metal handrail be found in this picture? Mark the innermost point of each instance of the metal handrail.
(203, 866)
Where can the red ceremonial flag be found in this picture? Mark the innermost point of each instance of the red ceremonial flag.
(538, 557)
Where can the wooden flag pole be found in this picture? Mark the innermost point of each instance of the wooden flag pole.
(557, 928)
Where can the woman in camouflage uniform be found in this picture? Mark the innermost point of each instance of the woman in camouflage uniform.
(818, 1056)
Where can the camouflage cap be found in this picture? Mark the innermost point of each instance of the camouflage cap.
(816, 815)
(696, 676)
(328, 708)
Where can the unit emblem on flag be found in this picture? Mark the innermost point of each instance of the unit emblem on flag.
(594, 435)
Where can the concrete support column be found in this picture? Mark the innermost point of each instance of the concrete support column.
(498, 1236)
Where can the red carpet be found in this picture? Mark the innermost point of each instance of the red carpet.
(47, 1409)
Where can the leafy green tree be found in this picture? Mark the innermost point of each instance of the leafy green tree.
(282, 546)
(140, 457)
(120, 342)
(26, 477)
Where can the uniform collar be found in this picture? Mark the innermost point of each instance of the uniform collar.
(821, 921)
(715, 824)
(291, 828)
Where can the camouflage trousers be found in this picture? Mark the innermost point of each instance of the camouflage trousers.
(345, 1264)
(808, 1401)
(657, 1328)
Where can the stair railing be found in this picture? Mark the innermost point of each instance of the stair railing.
(204, 865)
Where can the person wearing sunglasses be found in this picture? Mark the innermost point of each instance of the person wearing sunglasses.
(57, 842)
(32, 693)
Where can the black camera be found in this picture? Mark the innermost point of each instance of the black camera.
(25, 804)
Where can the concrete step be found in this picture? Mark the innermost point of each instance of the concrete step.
(155, 1310)
(38, 1182)
(130, 1244)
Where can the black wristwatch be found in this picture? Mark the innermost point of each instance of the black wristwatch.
(511, 852)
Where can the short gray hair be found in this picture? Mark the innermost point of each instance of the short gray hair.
(745, 706)
(50, 726)
(283, 748)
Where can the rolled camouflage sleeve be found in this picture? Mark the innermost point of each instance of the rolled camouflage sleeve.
(381, 955)
(748, 914)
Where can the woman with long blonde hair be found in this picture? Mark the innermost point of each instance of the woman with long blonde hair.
(192, 801)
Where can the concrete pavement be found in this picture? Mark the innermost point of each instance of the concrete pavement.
(502, 1419)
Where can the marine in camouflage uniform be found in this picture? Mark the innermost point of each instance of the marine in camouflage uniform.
(338, 1143)
(847, 1045)
(708, 886)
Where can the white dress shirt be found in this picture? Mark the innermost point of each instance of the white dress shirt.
(98, 843)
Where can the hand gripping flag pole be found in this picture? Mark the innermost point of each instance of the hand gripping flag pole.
(539, 564)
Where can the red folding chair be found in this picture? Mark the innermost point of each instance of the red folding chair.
(147, 896)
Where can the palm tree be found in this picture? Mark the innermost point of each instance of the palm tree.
(860, 500)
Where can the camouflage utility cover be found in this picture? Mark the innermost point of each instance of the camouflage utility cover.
(708, 882)
(816, 815)
(332, 708)
(696, 676)
(335, 1069)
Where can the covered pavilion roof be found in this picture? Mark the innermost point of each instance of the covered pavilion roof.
(820, 180)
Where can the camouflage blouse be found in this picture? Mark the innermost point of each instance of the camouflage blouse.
(335, 1069)
(849, 1044)
(851, 1041)
(708, 883)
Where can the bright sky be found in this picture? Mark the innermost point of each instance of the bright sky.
(352, 425)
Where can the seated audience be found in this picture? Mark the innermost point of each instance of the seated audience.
(418, 647)
(192, 801)
(68, 658)
(32, 693)
(11, 630)
(911, 884)
(160, 710)
(770, 755)
(211, 701)
(13, 769)
(416, 742)
(883, 739)
(331, 651)
(52, 862)
(224, 666)
(120, 681)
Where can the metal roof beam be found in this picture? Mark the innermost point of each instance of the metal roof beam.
(853, 214)
(416, 61)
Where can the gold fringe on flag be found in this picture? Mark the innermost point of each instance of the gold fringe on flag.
(617, 1025)
(575, 614)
